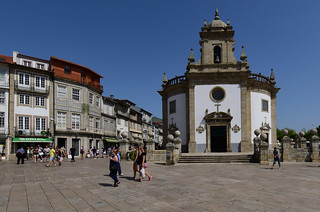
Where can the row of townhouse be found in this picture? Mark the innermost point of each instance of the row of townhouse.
(60, 103)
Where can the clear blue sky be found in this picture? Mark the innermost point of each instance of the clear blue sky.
(131, 43)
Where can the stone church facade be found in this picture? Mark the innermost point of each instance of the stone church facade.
(218, 103)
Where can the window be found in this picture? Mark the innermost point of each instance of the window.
(75, 94)
(217, 54)
(172, 106)
(111, 125)
(2, 97)
(91, 122)
(2, 116)
(24, 99)
(90, 98)
(40, 66)
(265, 106)
(97, 123)
(75, 121)
(40, 124)
(40, 101)
(24, 79)
(23, 123)
(2, 76)
(62, 91)
(27, 63)
(217, 94)
(67, 70)
(40, 82)
(105, 125)
(62, 120)
(97, 101)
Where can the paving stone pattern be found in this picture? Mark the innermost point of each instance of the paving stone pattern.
(85, 186)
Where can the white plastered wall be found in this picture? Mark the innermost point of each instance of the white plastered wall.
(179, 118)
(203, 101)
(257, 115)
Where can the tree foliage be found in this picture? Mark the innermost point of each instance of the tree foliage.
(293, 134)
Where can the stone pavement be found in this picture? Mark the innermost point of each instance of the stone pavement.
(85, 186)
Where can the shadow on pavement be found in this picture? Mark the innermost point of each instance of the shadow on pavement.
(106, 184)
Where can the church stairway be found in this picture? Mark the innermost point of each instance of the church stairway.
(216, 158)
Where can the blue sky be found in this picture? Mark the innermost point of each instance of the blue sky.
(132, 43)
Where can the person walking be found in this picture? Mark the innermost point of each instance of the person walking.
(59, 156)
(51, 154)
(94, 152)
(28, 153)
(113, 168)
(135, 161)
(20, 155)
(276, 158)
(118, 164)
(82, 152)
(143, 164)
(36, 154)
(72, 152)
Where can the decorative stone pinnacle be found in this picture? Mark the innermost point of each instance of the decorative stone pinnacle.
(164, 80)
(205, 23)
(191, 57)
(228, 22)
(243, 55)
(217, 15)
(272, 75)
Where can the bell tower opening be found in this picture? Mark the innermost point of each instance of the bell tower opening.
(217, 54)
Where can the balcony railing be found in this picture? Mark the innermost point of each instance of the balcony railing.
(4, 84)
(176, 80)
(31, 88)
(93, 130)
(260, 78)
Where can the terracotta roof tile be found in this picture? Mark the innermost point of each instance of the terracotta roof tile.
(6, 59)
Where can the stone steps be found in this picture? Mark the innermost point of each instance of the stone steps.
(216, 158)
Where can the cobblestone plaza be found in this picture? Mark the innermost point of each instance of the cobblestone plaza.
(85, 186)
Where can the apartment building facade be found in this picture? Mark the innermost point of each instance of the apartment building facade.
(108, 117)
(30, 102)
(78, 100)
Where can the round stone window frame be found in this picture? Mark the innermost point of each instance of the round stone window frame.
(215, 88)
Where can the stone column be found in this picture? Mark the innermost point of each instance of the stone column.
(150, 146)
(263, 147)
(192, 145)
(315, 146)
(124, 147)
(285, 146)
(256, 143)
(170, 151)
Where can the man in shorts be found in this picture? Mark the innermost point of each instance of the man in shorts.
(51, 154)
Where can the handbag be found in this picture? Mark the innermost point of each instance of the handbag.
(143, 172)
(113, 167)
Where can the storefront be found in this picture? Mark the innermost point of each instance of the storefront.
(110, 142)
(30, 142)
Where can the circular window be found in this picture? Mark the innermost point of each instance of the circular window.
(217, 94)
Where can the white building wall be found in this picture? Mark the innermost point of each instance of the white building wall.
(4, 87)
(179, 118)
(203, 101)
(257, 115)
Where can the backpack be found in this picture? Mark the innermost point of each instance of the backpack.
(132, 155)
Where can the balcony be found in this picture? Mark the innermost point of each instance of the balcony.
(28, 133)
(31, 88)
(4, 84)
(93, 130)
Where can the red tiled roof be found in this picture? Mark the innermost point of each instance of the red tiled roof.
(6, 59)
(55, 58)
(32, 58)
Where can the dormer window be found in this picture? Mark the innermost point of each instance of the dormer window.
(40, 66)
(217, 54)
(67, 70)
(27, 63)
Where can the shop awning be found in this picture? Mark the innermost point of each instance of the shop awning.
(110, 140)
(32, 140)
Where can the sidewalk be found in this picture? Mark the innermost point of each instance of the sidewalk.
(86, 186)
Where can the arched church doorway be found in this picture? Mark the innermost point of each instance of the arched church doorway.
(218, 138)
